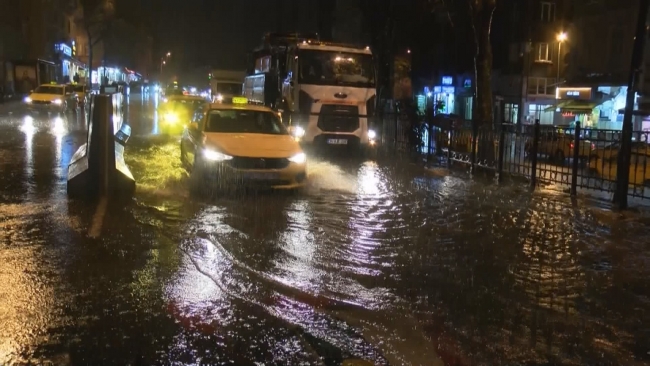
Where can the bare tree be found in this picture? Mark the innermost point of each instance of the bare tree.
(97, 18)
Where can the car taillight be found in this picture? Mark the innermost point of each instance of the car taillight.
(593, 146)
(572, 145)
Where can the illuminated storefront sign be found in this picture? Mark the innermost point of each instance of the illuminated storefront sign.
(573, 93)
(447, 80)
(467, 83)
(63, 48)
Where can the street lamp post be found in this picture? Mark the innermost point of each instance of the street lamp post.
(561, 37)
(163, 61)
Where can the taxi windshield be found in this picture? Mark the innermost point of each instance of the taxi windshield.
(57, 90)
(244, 121)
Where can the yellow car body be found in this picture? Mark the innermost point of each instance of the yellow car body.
(238, 155)
(604, 161)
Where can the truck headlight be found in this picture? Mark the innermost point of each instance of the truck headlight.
(57, 101)
(219, 98)
(372, 134)
(299, 158)
(213, 155)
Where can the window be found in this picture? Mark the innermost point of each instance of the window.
(540, 112)
(511, 113)
(541, 86)
(548, 12)
(542, 53)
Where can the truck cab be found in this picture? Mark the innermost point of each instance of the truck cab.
(325, 91)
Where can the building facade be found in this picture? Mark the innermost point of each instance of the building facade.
(599, 64)
(534, 64)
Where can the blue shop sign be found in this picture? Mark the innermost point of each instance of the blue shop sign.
(467, 83)
(447, 80)
(63, 48)
(448, 89)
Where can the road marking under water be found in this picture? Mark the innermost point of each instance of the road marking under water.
(98, 219)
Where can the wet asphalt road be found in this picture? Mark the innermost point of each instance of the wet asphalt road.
(381, 261)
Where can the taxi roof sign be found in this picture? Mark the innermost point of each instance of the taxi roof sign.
(239, 100)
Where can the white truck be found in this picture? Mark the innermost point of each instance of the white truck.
(226, 84)
(325, 91)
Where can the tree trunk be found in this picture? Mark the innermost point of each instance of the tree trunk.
(481, 12)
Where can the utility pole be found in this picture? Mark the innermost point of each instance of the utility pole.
(623, 166)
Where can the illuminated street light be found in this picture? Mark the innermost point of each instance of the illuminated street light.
(169, 54)
(561, 37)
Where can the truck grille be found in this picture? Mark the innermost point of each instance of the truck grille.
(338, 118)
(239, 162)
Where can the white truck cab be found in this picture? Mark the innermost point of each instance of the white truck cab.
(329, 91)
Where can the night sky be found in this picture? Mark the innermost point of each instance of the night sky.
(219, 33)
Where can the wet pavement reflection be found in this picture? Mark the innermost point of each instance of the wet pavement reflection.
(380, 261)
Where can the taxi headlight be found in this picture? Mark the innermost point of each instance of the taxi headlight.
(299, 158)
(219, 98)
(171, 117)
(372, 134)
(297, 131)
(57, 101)
(28, 100)
(213, 155)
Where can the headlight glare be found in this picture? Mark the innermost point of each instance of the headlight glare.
(213, 155)
(219, 98)
(372, 134)
(298, 131)
(299, 158)
(171, 117)
(57, 101)
(28, 100)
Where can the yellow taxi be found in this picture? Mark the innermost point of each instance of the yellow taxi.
(241, 144)
(175, 112)
(604, 162)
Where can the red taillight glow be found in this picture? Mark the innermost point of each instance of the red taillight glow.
(572, 145)
(593, 147)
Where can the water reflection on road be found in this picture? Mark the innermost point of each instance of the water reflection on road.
(373, 260)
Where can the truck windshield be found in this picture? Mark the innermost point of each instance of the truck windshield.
(336, 68)
(229, 88)
(243, 121)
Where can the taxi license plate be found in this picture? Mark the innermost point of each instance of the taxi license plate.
(337, 141)
(261, 176)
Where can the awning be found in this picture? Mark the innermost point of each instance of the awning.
(573, 106)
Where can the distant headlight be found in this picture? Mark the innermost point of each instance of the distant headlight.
(215, 155)
(28, 100)
(300, 158)
(57, 101)
(219, 98)
(372, 134)
(171, 117)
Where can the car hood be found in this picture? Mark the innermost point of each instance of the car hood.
(253, 145)
(45, 97)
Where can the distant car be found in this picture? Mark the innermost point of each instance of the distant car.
(175, 112)
(53, 97)
(242, 144)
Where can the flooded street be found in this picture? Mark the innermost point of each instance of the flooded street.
(381, 261)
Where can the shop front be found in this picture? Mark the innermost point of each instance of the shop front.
(71, 69)
(444, 96)
(575, 104)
